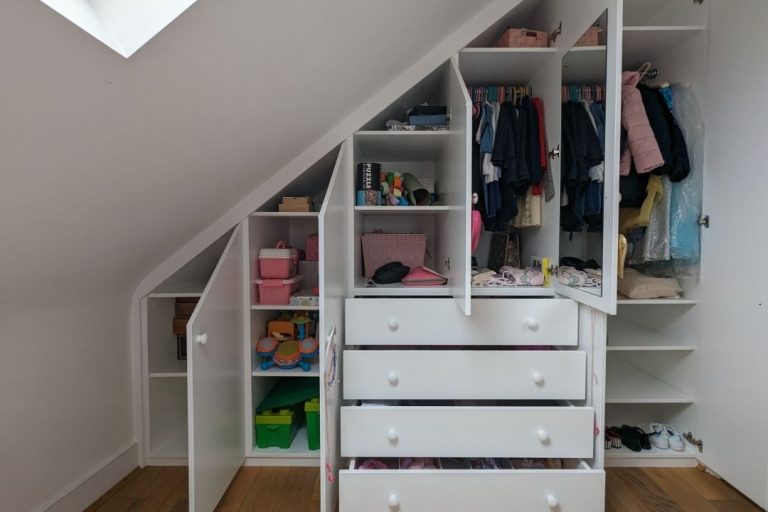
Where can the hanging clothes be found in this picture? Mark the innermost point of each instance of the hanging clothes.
(642, 145)
(548, 184)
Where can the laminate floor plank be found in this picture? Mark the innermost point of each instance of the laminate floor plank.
(278, 489)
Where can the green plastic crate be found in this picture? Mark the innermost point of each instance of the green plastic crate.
(312, 413)
(276, 427)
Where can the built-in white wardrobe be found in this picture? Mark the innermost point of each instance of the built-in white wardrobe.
(455, 371)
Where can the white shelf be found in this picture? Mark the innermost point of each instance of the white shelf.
(624, 335)
(624, 457)
(656, 302)
(513, 291)
(398, 290)
(175, 295)
(585, 65)
(169, 369)
(283, 307)
(293, 372)
(627, 384)
(647, 43)
(401, 210)
(286, 215)
(502, 66)
(400, 146)
(298, 449)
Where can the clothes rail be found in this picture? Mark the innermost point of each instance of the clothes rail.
(499, 93)
(583, 93)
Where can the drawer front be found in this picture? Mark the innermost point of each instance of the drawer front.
(440, 322)
(487, 374)
(462, 491)
(531, 432)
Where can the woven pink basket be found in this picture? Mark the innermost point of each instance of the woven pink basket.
(381, 248)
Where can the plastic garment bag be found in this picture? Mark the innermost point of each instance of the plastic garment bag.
(685, 207)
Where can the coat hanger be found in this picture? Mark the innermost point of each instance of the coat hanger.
(642, 70)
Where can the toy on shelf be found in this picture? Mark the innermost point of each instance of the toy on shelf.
(289, 343)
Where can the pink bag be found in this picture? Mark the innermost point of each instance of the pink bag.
(423, 276)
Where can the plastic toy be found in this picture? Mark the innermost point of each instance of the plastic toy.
(287, 354)
(301, 321)
(282, 329)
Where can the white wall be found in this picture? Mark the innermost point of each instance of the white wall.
(65, 391)
(732, 399)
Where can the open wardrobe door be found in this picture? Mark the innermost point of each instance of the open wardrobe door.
(334, 222)
(215, 380)
(587, 174)
(456, 189)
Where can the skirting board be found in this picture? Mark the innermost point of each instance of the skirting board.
(77, 496)
(650, 462)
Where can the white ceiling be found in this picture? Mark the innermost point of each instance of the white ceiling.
(109, 164)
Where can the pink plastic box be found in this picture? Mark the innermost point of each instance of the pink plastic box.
(277, 291)
(278, 263)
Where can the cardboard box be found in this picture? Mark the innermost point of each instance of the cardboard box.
(180, 326)
(185, 309)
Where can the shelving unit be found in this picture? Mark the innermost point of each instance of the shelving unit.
(513, 291)
(398, 290)
(286, 215)
(655, 457)
(172, 368)
(501, 66)
(584, 65)
(657, 302)
(646, 43)
(628, 384)
(628, 336)
(282, 307)
(401, 210)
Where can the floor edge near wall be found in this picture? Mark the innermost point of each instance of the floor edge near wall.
(89, 488)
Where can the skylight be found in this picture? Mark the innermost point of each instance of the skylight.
(123, 25)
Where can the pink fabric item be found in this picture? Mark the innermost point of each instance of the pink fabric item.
(423, 276)
(477, 228)
(643, 148)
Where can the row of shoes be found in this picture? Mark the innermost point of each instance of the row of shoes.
(657, 435)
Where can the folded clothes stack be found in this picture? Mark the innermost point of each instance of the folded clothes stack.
(507, 276)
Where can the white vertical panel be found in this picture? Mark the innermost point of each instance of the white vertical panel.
(454, 232)
(334, 244)
(215, 381)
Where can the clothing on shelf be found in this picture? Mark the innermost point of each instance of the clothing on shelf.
(509, 155)
(507, 276)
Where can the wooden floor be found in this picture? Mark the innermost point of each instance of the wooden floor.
(164, 489)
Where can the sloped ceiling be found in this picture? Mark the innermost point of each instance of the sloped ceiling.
(109, 164)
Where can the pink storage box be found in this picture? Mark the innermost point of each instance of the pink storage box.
(278, 263)
(313, 250)
(523, 38)
(381, 248)
(277, 291)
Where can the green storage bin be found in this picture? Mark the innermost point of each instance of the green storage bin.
(312, 413)
(276, 427)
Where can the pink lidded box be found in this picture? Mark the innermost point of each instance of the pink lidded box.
(278, 263)
(277, 291)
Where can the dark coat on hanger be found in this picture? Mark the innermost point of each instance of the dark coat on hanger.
(668, 135)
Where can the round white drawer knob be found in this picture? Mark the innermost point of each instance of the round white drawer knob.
(543, 436)
(392, 378)
(537, 378)
(392, 324)
(392, 435)
(201, 339)
(532, 324)
(552, 501)
(393, 501)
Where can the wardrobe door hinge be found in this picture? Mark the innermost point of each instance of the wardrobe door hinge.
(704, 221)
(556, 33)
(554, 152)
(698, 443)
(698, 2)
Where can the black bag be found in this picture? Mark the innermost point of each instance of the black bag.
(389, 273)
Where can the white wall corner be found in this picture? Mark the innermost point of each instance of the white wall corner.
(81, 493)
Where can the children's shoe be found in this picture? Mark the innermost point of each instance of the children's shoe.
(676, 441)
(657, 435)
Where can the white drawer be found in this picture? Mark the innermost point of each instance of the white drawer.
(464, 374)
(440, 322)
(531, 432)
(576, 490)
